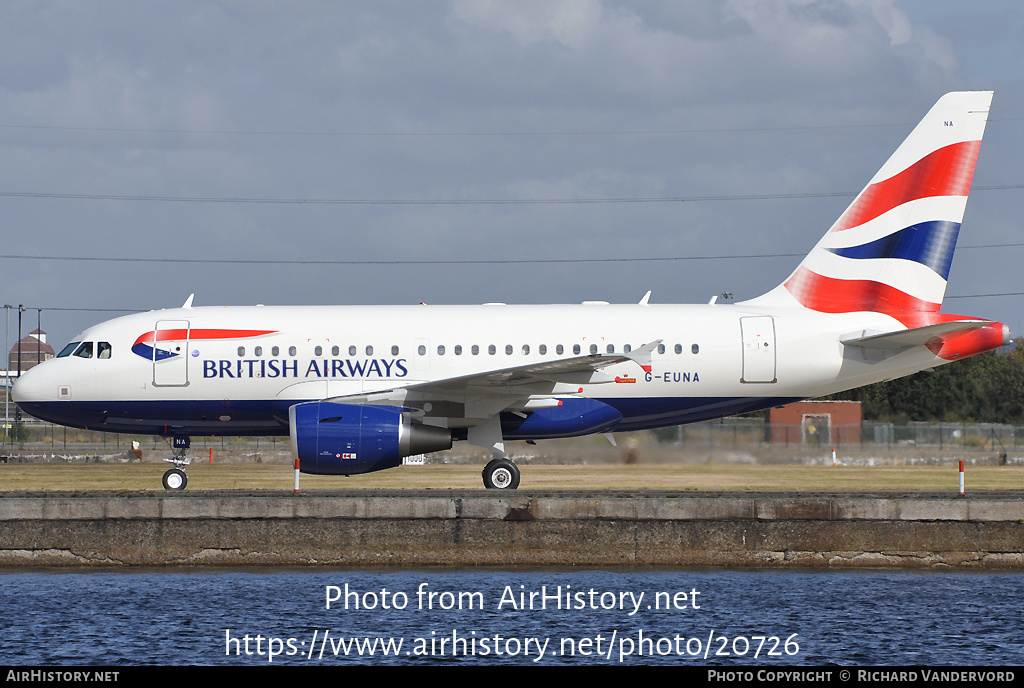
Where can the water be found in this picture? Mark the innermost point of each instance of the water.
(767, 618)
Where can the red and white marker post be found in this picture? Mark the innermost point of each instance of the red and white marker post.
(296, 475)
(961, 478)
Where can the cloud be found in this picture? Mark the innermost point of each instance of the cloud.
(447, 100)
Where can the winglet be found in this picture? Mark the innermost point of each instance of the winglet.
(188, 301)
(642, 355)
(646, 298)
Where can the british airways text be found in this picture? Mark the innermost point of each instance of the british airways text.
(327, 368)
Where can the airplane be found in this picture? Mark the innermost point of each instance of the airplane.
(360, 387)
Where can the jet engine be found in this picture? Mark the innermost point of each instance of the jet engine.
(346, 439)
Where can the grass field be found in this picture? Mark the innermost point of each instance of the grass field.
(146, 476)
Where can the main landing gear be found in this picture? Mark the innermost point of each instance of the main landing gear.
(175, 478)
(501, 474)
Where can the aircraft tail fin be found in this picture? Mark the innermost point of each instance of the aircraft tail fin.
(892, 249)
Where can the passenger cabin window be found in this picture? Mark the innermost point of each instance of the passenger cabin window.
(679, 348)
(542, 349)
(559, 349)
(421, 350)
(458, 349)
(575, 348)
(593, 348)
(84, 351)
(103, 350)
(508, 349)
(492, 350)
(627, 348)
(440, 349)
(610, 349)
(475, 350)
(275, 351)
(241, 351)
(394, 349)
(335, 351)
(318, 351)
(68, 350)
(291, 350)
(352, 351)
(369, 350)
(258, 351)
(661, 348)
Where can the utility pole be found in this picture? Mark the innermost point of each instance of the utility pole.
(7, 370)
(17, 411)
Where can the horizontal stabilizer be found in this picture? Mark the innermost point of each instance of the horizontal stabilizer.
(903, 339)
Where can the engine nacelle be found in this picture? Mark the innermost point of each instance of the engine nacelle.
(346, 439)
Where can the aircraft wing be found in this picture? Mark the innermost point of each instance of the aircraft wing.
(572, 371)
(485, 394)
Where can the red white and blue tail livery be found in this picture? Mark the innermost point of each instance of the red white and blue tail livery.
(358, 388)
(892, 248)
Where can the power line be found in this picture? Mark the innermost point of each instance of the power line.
(448, 134)
(982, 296)
(469, 261)
(93, 310)
(452, 134)
(137, 310)
(395, 201)
(484, 261)
(425, 201)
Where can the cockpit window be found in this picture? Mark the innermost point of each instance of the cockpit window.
(103, 350)
(85, 350)
(67, 350)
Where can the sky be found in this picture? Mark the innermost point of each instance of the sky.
(470, 151)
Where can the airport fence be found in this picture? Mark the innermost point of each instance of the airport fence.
(744, 439)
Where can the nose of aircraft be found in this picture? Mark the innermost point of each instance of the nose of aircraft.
(46, 393)
(33, 386)
(36, 393)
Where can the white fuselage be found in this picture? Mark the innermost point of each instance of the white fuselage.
(218, 377)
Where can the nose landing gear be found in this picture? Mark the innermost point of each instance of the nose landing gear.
(175, 478)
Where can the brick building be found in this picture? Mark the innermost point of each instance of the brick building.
(32, 350)
(827, 423)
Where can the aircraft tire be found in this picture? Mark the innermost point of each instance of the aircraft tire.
(501, 474)
(175, 479)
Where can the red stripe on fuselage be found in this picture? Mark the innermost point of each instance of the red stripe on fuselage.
(945, 172)
(171, 335)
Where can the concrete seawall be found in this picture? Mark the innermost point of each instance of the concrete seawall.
(477, 528)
